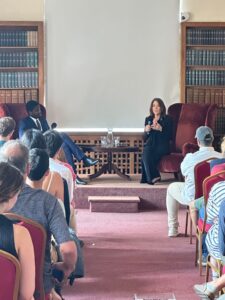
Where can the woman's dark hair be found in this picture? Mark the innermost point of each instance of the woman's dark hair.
(11, 181)
(53, 142)
(161, 104)
(39, 163)
(33, 138)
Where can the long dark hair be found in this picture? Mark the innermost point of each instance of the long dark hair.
(162, 107)
(11, 181)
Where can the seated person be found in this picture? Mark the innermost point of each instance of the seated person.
(37, 121)
(184, 192)
(215, 162)
(16, 239)
(197, 205)
(157, 136)
(54, 143)
(43, 208)
(7, 127)
(210, 290)
(52, 181)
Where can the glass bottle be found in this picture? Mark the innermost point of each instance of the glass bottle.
(110, 138)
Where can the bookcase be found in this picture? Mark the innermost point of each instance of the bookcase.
(21, 62)
(203, 66)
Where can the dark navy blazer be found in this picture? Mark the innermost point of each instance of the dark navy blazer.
(28, 123)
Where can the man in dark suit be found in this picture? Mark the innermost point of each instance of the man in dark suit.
(37, 121)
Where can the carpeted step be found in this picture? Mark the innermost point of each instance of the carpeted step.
(119, 204)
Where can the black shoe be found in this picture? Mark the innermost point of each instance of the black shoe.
(143, 180)
(80, 181)
(88, 162)
(150, 182)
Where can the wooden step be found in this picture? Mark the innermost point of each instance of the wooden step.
(119, 204)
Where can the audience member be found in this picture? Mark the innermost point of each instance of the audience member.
(210, 289)
(184, 192)
(43, 208)
(7, 127)
(16, 239)
(53, 182)
(37, 121)
(157, 136)
(54, 143)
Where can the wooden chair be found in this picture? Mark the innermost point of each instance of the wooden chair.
(201, 171)
(38, 236)
(10, 276)
(202, 226)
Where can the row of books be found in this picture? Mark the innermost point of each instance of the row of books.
(18, 38)
(19, 59)
(18, 79)
(205, 77)
(205, 57)
(220, 121)
(201, 36)
(18, 96)
(208, 96)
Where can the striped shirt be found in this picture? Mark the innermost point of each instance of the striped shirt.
(216, 197)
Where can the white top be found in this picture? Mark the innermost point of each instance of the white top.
(65, 173)
(187, 169)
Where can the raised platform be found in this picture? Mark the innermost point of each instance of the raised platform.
(152, 197)
(121, 204)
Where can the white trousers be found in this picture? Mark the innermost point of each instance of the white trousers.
(173, 198)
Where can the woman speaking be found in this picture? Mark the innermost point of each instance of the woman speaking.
(157, 136)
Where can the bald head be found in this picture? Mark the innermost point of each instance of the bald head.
(15, 153)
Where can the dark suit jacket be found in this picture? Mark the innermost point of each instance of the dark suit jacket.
(28, 123)
(159, 140)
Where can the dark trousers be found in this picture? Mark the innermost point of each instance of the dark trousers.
(71, 150)
(150, 160)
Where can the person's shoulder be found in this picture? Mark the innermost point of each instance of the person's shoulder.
(28, 192)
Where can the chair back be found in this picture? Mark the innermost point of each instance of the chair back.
(10, 278)
(38, 236)
(187, 117)
(17, 111)
(208, 183)
(201, 171)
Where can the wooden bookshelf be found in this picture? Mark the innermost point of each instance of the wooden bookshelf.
(203, 66)
(21, 62)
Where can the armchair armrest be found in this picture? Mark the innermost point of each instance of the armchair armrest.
(189, 148)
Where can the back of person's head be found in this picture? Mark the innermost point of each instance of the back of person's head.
(11, 181)
(53, 142)
(7, 126)
(204, 135)
(39, 164)
(33, 138)
(15, 153)
(30, 105)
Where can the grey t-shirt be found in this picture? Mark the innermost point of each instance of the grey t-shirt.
(43, 208)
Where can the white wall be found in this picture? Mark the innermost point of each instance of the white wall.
(204, 10)
(106, 60)
(21, 10)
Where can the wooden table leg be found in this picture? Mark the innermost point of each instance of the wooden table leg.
(103, 170)
(118, 172)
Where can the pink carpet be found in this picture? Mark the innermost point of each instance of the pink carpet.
(127, 254)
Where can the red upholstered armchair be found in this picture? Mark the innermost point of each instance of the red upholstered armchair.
(17, 111)
(186, 119)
